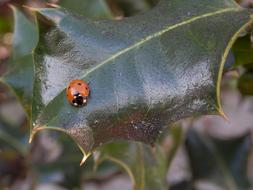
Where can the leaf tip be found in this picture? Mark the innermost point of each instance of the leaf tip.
(33, 133)
(223, 115)
(52, 5)
(85, 157)
(32, 9)
(12, 7)
(30, 139)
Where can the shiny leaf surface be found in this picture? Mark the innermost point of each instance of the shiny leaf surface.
(144, 71)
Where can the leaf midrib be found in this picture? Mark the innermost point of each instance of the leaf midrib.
(157, 34)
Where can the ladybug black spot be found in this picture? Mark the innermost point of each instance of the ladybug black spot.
(79, 84)
(78, 101)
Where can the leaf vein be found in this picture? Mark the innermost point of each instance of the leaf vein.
(150, 37)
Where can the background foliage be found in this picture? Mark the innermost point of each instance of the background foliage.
(196, 153)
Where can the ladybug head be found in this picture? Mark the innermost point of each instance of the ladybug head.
(79, 100)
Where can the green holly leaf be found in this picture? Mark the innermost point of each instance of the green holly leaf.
(25, 36)
(91, 8)
(243, 51)
(144, 72)
(20, 73)
(145, 165)
(20, 80)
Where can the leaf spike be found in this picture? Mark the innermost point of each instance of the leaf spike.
(11, 7)
(85, 156)
(30, 8)
(32, 134)
(52, 5)
(223, 115)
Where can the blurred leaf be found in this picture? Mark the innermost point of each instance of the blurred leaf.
(25, 36)
(222, 162)
(20, 74)
(20, 79)
(12, 138)
(132, 7)
(144, 71)
(243, 51)
(90, 8)
(5, 25)
(229, 61)
(13, 149)
(145, 165)
(176, 133)
(184, 185)
(152, 2)
(249, 67)
(67, 165)
(12, 167)
(245, 83)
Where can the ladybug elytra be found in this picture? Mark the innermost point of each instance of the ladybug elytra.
(78, 92)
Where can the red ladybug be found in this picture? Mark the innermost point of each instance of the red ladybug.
(78, 92)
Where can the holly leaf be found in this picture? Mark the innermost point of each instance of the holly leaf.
(91, 8)
(144, 72)
(145, 165)
(217, 161)
(243, 51)
(20, 79)
(20, 73)
(25, 35)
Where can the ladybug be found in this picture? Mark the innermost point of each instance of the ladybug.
(78, 92)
